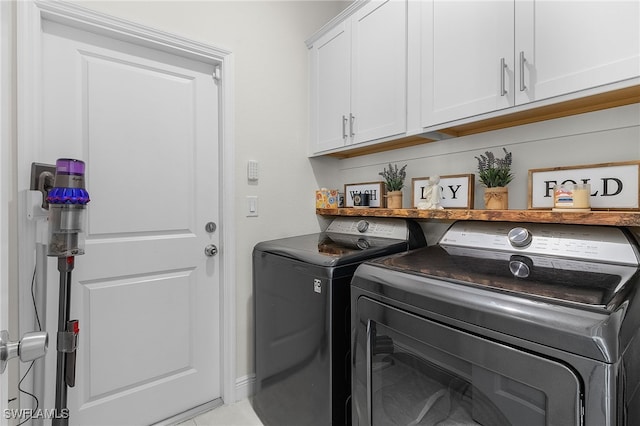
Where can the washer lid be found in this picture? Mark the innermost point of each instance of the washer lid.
(332, 250)
(580, 283)
(349, 240)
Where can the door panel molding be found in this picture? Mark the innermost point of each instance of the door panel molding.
(30, 142)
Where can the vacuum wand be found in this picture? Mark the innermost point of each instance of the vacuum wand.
(67, 341)
(67, 205)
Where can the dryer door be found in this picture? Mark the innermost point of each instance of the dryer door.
(412, 371)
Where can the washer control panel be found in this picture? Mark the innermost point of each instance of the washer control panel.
(598, 243)
(370, 227)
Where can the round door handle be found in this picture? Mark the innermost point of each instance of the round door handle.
(211, 250)
(32, 346)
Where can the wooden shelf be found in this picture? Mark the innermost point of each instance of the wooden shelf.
(610, 218)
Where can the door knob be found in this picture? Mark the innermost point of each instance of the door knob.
(211, 250)
(32, 346)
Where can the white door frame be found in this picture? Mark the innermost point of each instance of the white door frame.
(5, 179)
(30, 14)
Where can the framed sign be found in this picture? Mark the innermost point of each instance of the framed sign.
(374, 189)
(613, 185)
(456, 191)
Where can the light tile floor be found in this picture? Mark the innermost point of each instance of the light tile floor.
(237, 414)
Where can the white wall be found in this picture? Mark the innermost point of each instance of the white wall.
(271, 113)
(598, 137)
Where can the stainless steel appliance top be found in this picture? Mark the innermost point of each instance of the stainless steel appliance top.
(585, 266)
(349, 240)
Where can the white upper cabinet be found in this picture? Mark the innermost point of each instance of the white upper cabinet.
(467, 54)
(567, 46)
(358, 78)
(379, 64)
(483, 56)
(331, 88)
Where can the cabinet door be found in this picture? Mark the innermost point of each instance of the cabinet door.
(379, 77)
(569, 46)
(467, 58)
(330, 88)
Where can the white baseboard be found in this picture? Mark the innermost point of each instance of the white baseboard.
(245, 386)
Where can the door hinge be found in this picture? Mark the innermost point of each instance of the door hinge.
(217, 73)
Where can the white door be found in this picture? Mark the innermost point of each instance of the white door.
(464, 47)
(146, 295)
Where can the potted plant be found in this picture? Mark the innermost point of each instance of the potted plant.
(394, 182)
(495, 174)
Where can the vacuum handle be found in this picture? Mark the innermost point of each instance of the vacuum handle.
(68, 343)
(70, 370)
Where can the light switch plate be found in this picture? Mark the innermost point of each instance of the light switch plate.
(252, 205)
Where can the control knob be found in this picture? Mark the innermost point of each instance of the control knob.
(362, 244)
(362, 225)
(520, 266)
(519, 237)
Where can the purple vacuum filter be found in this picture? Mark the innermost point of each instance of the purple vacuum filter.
(67, 205)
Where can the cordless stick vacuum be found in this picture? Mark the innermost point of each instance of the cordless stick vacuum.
(67, 205)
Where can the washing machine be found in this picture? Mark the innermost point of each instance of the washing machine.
(301, 287)
(501, 324)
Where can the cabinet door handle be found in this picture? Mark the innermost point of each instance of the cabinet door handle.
(344, 127)
(351, 120)
(503, 66)
(523, 87)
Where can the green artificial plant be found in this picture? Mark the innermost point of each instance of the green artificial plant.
(495, 172)
(394, 177)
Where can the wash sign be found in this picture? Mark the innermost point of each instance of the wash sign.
(374, 189)
(613, 185)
